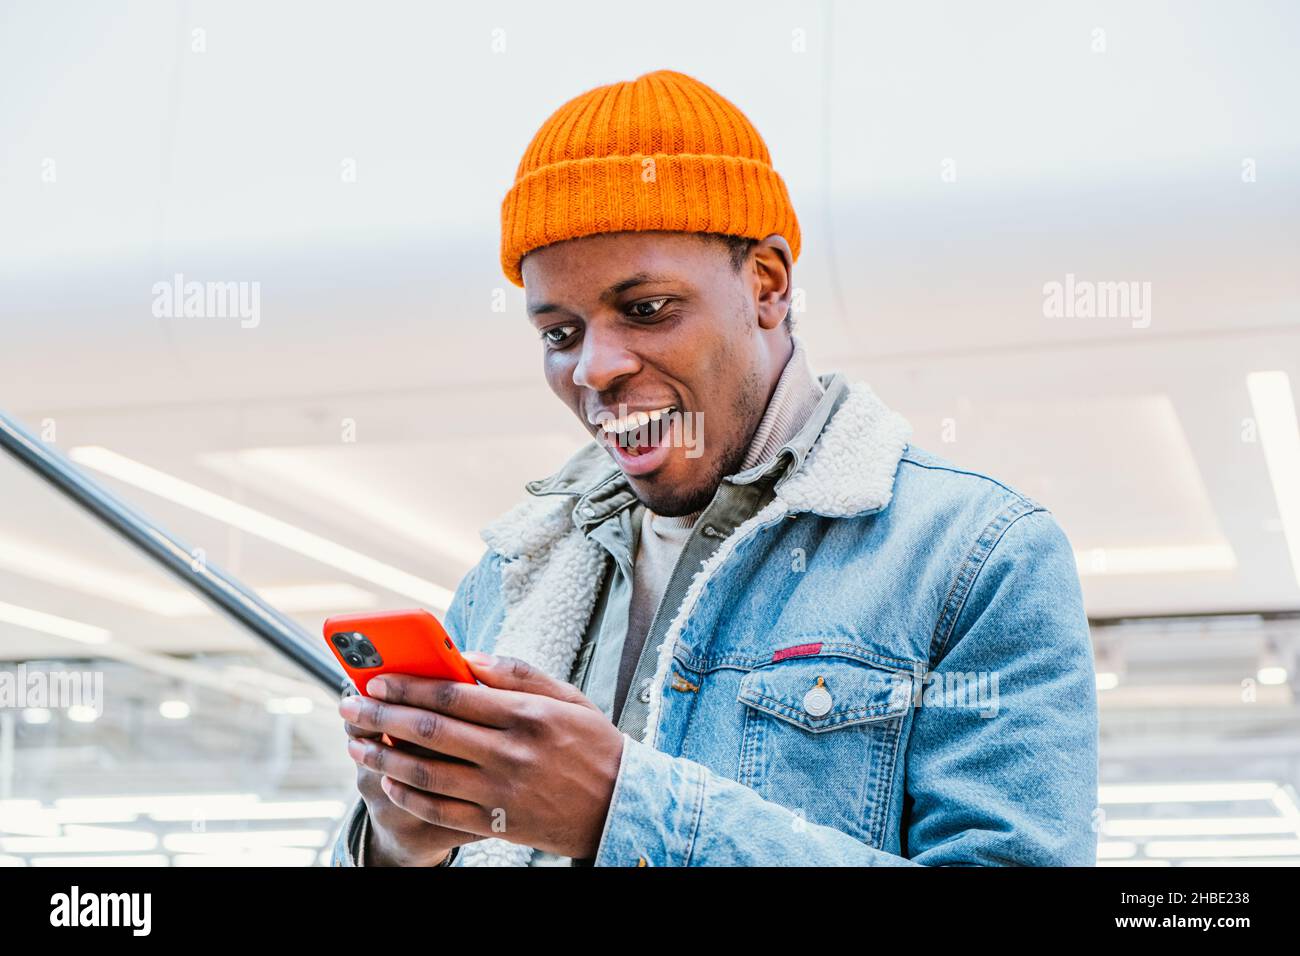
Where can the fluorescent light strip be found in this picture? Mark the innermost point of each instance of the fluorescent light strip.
(52, 567)
(35, 562)
(1232, 861)
(316, 597)
(282, 857)
(1133, 863)
(342, 490)
(191, 805)
(1211, 849)
(1162, 696)
(32, 818)
(1210, 792)
(1171, 559)
(53, 624)
(236, 841)
(289, 598)
(81, 839)
(262, 525)
(1275, 417)
(1200, 826)
(143, 859)
(1116, 850)
(1286, 806)
(276, 810)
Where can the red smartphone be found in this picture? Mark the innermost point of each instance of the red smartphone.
(394, 642)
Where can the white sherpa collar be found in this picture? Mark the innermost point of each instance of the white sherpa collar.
(553, 572)
(849, 469)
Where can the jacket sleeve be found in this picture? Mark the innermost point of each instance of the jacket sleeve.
(1015, 786)
(351, 840)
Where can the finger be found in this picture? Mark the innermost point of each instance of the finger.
(511, 673)
(433, 731)
(462, 781)
(352, 730)
(440, 811)
(357, 733)
(471, 702)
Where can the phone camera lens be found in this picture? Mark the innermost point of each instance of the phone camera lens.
(356, 660)
(341, 641)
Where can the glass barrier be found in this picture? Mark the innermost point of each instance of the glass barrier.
(138, 724)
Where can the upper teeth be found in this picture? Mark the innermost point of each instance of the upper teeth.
(633, 420)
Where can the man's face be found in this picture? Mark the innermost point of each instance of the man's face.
(656, 322)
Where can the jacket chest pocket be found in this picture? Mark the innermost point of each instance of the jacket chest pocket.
(821, 737)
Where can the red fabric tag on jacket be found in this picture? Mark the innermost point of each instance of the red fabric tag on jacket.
(799, 650)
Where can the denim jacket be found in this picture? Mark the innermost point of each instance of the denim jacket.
(888, 665)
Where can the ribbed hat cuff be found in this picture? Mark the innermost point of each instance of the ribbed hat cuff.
(677, 192)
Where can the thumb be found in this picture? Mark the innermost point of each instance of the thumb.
(511, 673)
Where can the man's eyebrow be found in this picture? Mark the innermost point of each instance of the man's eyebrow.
(640, 278)
(632, 281)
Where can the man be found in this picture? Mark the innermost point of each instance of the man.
(748, 623)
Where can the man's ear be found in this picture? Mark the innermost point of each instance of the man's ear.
(773, 268)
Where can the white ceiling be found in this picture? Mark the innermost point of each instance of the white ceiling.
(377, 295)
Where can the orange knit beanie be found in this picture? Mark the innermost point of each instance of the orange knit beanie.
(662, 151)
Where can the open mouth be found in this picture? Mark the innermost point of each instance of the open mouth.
(637, 432)
(639, 441)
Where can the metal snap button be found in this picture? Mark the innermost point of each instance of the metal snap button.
(817, 702)
(645, 691)
(588, 511)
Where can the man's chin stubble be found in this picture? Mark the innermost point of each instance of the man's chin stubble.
(674, 502)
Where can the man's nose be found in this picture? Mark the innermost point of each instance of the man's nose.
(603, 361)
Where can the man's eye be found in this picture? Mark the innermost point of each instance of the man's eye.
(558, 335)
(646, 309)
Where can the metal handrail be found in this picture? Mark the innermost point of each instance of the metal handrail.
(223, 590)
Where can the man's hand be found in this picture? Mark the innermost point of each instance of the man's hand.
(522, 757)
(396, 838)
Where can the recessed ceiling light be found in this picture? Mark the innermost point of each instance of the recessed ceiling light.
(174, 709)
(83, 713)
